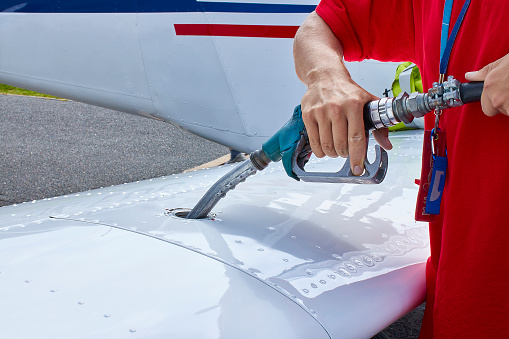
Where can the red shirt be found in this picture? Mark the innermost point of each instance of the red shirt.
(468, 271)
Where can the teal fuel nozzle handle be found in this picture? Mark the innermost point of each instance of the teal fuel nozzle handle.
(291, 145)
(281, 145)
(286, 138)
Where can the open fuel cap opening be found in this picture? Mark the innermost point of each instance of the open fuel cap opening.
(182, 213)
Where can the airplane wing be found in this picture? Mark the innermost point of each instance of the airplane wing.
(278, 258)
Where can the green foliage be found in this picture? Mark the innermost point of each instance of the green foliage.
(6, 89)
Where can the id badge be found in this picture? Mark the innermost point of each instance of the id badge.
(433, 171)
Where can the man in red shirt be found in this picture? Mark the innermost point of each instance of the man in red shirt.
(467, 273)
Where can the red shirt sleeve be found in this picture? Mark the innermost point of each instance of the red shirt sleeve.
(372, 29)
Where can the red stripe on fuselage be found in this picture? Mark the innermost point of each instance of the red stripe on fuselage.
(250, 31)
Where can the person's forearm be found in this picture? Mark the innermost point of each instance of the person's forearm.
(332, 107)
(317, 51)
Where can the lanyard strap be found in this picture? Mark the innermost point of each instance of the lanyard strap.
(446, 43)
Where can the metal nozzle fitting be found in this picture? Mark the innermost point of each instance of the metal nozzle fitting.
(407, 107)
(418, 105)
(400, 109)
(259, 159)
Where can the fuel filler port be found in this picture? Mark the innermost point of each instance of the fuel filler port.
(181, 213)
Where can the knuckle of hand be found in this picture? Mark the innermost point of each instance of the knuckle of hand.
(336, 106)
(313, 142)
(497, 103)
(317, 149)
(358, 100)
(318, 152)
(308, 115)
(341, 149)
(337, 114)
(328, 148)
(489, 83)
(488, 109)
(314, 114)
(500, 101)
(356, 138)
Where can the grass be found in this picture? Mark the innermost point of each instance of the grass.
(6, 89)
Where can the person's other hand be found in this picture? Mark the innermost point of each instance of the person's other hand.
(495, 96)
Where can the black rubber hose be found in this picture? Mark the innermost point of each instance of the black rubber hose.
(471, 91)
(368, 121)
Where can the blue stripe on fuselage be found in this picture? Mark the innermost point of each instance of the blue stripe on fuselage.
(144, 6)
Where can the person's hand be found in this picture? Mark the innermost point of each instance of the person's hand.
(495, 96)
(332, 110)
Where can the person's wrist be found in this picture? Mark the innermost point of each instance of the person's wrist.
(324, 75)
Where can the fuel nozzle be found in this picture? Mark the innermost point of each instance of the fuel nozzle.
(388, 112)
(291, 144)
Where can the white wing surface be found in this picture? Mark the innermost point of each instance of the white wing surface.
(280, 258)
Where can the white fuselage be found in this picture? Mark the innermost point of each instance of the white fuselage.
(226, 76)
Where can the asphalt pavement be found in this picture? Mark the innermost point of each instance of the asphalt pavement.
(51, 147)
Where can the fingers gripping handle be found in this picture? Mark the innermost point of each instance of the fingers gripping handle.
(291, 144)
(374, 173)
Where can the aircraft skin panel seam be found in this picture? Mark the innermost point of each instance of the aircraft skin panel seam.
(182, 124)
(75, 85)
(144, 66)
(200, 253)
(232, 92)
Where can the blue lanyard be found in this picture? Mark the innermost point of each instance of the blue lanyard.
(446, 43)
(439, 167)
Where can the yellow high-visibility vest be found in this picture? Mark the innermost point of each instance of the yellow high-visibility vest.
(408, 79)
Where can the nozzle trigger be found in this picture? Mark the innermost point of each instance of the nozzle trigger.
(374, 173)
